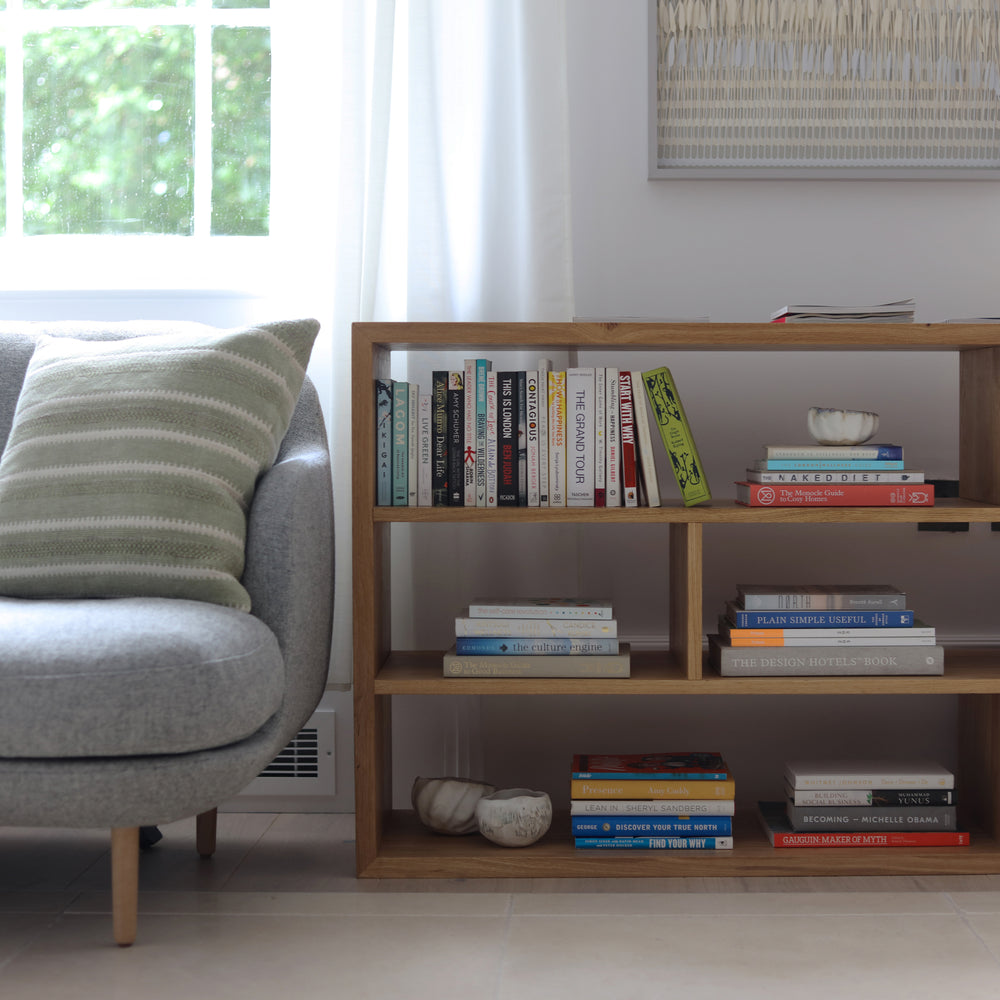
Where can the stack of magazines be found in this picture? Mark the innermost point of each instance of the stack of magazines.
(884, 312)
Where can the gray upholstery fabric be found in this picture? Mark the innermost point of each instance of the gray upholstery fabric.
(289, 574)
(112, 678)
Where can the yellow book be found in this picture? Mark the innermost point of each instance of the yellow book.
(645, 788)
(676, 434)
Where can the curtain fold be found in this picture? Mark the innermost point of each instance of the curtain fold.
(453, 199)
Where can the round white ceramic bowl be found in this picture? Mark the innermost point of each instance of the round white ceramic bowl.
(832, 426)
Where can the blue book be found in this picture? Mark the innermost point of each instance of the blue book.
(841, 452)
(651, 826)
(825, 464)
(818, 619)
(480, 645)
(656, 843)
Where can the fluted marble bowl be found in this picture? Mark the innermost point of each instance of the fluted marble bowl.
(514, 817)
(832, 426)
(448, 805)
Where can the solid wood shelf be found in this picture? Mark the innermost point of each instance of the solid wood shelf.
(409, 850)
(394, 845)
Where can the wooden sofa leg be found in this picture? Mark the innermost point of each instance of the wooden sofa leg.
(125, 883)
(206, 824)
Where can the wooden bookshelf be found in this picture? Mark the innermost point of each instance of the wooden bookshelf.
(395, 845)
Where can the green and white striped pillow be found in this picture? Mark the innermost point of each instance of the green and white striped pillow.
(131, 464)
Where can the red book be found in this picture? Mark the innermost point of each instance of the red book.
(835, 495)
(630, 468)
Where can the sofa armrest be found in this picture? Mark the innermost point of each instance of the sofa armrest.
(289, 558)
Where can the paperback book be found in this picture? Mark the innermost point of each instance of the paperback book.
(835, 494)
(696, 765)
(655, 788)
(546, 628)
(540, 607)
(827, 465)
(834, 476)
(537, 665)
(847, 453)
(656, 843)
(474, 645)
(651, 826)
(819, 618)
(652, 807)
(820, 596)
(917, 635)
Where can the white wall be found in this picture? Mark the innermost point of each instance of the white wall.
(734, 251)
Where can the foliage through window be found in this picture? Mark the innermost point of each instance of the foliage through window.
(136, 117)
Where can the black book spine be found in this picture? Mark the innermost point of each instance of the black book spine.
(456, 439)
(507, 482)
(439, 439)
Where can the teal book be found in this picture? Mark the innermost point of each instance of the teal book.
(400, 444)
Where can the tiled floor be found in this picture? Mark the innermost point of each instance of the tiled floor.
(277, 913)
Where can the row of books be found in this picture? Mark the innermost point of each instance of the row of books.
(537, 637)
(657, 801)
(823, 629)
(821, 475)
(541, 438)
(864, 804)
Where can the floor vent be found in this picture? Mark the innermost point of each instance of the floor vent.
(306, 766)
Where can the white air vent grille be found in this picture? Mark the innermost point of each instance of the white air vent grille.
(300, 759)
(306, 766)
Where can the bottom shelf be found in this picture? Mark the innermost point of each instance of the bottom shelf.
(408, 850)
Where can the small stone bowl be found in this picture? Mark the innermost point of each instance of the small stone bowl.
(831, 426)
(448, 805)
(514, 817)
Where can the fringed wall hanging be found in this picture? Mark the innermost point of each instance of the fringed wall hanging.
(825, 88)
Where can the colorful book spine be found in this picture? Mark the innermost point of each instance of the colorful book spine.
(630, 466)
(688, 765)
(400, 443)
(613, 451)
(600, 436)
(476, 645)
(744, 619)
(839, 476)
(842, 495)
(492, 421)
(826, 464)
(439, 452)
(469, 431)
(922, 635)
(651, 826)
(456, 439)
(580, 437)
(616, 788)
(675, 432)
(482, 371)
(545, 628)
(610, 666)
(544, 367)
(846, 452)
(383, 442)
(522, 439)
(557, 439)
(533, 403)
(872, 798)
(652, 807)
(507, 439)
(650, 486)
(655, 843)
(425, 445)
(412, 444)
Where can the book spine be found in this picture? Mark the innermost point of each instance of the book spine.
(644, 444)
(652, 807)
(383, 442)
(651, 826)
(802, 600)
(541, 609)
(475, 645)
(856, 819)
(906, 476)
(456, 439)
(864, 452)
(544, 367)
(613, 425)
(915, 839)
(872, 798)
(656, 843)
(630, 470)
(733, 661)
(507, 439)
(923, 635)
(412, 445)
(522, 439)
(744, 619)
(566, 628)
(580, 437)
(456, 665)
(675, 432)
(439, 455)
(557, 439)
(482, 372)
(492, 423)
(844, 495)
(600, 436)
(826, 464)
(469, 431)
(400, 443)
(534, 445)
(614, 788)
(653, 775)
(425, 439)
(918, 780)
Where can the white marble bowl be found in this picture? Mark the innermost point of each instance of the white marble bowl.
(514, 817)
(831, 426)
(448, 805)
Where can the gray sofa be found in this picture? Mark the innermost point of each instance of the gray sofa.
(132, 711)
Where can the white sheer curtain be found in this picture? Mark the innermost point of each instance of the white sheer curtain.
(452, 182)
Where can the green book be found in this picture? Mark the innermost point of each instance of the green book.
(677, 438)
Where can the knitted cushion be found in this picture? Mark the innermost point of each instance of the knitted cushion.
(131, 464)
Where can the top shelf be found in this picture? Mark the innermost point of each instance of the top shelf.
(679, 336)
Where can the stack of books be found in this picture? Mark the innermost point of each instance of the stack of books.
(583, 437)
(864, 804)
(537, 637)
(825, 475)
(822, 629)
(657, 801)
(884, 312)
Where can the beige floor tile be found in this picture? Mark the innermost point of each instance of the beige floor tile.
(987, 927)
(44, 860)
(977, 902)
(708, 957)
(17, 932)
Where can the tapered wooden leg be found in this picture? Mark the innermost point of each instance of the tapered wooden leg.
(125, 883)
(205, 832)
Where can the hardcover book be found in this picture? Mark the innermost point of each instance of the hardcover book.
(544, 367)
(540, 607)
(649, 486)
(533, 406)
(651, 826)
(854, 818)
(820, 596)
(826, 465)
(476, 645)
(917, 635)
(492, 418)
(819, 618)
(872, 798)
(546, 628)
(456, 439)
(383, 442)
(652, 807)
(507, 460)
(469, 423)
(675, 431)
(844, 452)
(400, 443)
(439, 445)
(522, 438)
(483, 367)
(485, 665)
(868, 774)
(557, 439)
(630, 463)
(685, 764)
(580, 420)
(656, 843)
(425, 447)
(613, 448)
(651, 788)
(835, 476)
(835, 495)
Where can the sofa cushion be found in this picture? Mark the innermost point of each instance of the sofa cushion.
(116, 678)
(131, 463)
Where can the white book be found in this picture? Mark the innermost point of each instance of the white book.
(413, 444)
(557, 439)
(613, 442)
(424, 447)
(600, 436)
(469, 454)
(491, 439)
(483, 368)
(532, 408)
(580, 437)
(868, 774)
(544, 367)
(652, 807)
(644, 441)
